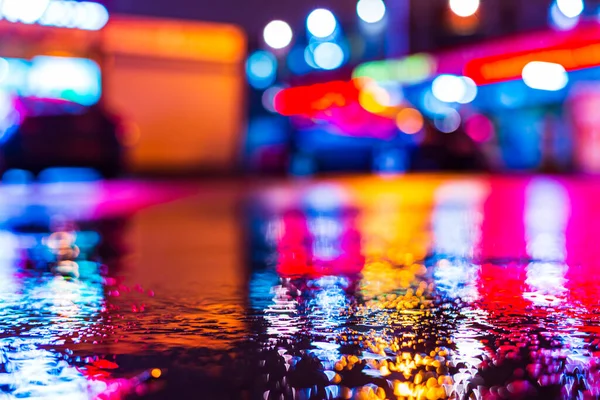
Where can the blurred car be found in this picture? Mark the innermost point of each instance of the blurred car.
(318, 149)
(53, 133)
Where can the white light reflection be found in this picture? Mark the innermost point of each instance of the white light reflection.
(457, 220)
(328, 313)
(67, 307)
(326, 231)
(282, 314)
(547, 211)
(325, 197)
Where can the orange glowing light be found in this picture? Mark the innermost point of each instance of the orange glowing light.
(510, 66)
(409, 121)
(156, 373)
(374, 98)
(463, 25)
(197, 41)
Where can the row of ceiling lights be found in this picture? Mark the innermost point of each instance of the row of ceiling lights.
(321, 23)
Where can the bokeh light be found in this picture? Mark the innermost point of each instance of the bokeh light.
(454, 89)
(373, 98)
(65, 14)
(268, 98)
(309, 57)
(479, 128)
(328, 55)
(448, 122)
(545, 76)
(470, 90)
(410, 121)
(321, 23)
(278, 34)
(156, 373)
(560, 20)
(261, 69)
(25, 11)
(464, 8)
(370, 11)
(570, 8)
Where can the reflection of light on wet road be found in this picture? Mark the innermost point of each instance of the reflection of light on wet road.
(546, 216)
(456, 224)
(464, 293)
(46, 311)
(417, 287)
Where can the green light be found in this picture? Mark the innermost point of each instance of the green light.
(410, 70)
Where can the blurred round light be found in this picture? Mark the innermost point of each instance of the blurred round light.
(309, 57)
(91, 16)
(464, 8)
(261, 69)
(570, 8)
(448, 122)
(321, 23)
(479, 128)
(328, 56)
(409, 121)
(262, 64)
(370, 11)
(55, 14)
(545, 76)
(268, 98)
(25, 11)
(277, 34)
(560, 20)
(470, 90)
(449, 88)
(373, 98)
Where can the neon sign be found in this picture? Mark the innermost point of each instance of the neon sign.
(58, 13)
(73, 79)
(410, 70)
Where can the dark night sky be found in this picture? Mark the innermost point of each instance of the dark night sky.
(252, 15)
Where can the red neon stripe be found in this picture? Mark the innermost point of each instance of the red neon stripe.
(573, 55)
(308, 100)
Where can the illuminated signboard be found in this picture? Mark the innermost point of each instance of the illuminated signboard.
(173, 39)
(510, 66)
(73, 79)
(410, 70)
(58, 13)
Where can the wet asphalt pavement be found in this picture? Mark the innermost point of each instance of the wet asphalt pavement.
(419, 287)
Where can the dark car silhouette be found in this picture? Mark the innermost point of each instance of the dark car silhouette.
(61, 134)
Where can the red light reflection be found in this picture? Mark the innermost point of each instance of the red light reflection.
(319, 245)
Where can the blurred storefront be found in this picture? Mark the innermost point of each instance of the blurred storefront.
(527, 101)
(177, 86)
(181, 84)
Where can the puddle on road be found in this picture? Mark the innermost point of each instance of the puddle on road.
(417, 288)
